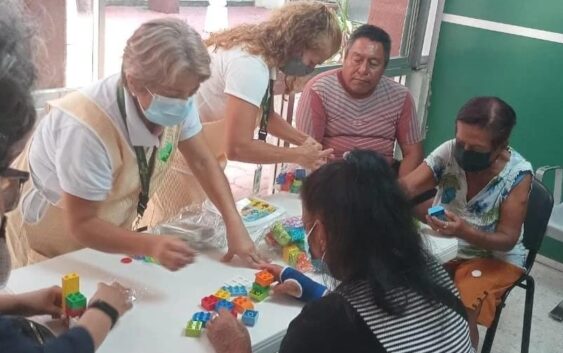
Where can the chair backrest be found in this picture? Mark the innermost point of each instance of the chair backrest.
(540, 204)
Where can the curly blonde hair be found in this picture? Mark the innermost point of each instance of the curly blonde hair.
(290, 30)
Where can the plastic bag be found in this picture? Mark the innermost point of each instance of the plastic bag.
(199, 226)
(290, 178)
(286, 238)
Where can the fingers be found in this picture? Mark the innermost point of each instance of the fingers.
(326, 153)
(228, 256)
(273, 269)
(288, 287)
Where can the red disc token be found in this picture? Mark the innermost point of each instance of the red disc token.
(126, 260)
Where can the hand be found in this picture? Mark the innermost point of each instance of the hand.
(289, 287)
(311, 157)
(171, 252)
(227, 334)
(115, 295)
(47, 301)
(453, 227)
(311, 141)
(240, 244)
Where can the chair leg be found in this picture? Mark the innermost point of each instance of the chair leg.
(528, 307)
(491, 331)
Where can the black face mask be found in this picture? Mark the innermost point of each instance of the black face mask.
(471, 161)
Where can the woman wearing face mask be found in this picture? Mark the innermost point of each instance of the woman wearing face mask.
(244, 61)
(17, 116)
(98, 156)
(483, 184)
(360, 225)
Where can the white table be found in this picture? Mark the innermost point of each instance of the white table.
(166, 300)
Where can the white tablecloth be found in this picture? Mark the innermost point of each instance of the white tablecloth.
(166, 300)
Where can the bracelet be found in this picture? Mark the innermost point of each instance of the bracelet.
(107, 309)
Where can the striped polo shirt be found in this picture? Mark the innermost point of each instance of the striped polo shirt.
(328, 113)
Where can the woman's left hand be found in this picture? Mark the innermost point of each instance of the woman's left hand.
(46, 301)
(227, 334)
(240, 244)
(454, 226)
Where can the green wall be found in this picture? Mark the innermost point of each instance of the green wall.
(525, 72)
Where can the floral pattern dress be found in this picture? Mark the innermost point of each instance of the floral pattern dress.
(483, 210)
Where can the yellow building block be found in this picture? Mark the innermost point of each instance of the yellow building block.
(70, 284)
(288, 250)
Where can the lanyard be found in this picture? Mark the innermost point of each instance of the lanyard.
(145, 169)
(266, 110)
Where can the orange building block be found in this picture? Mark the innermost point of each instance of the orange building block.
(242, 304)
(264, 278)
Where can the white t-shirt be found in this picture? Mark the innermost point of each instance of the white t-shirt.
(66, 156)
(233, 72)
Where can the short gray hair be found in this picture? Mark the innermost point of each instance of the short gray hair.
(17, 76)
(162, 49)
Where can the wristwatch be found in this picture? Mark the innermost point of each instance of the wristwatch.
(106, 309)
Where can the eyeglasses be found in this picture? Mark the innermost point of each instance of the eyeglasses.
(11, 182)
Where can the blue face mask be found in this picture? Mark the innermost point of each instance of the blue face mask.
(319, 265)
(296, 67)
(166, 111)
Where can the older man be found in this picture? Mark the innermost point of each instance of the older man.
(357, 107)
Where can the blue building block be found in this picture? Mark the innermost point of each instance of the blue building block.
(202, 316)
(300, 174)
(224, 304)
(250, 317)
(438, 212)
(236, 291)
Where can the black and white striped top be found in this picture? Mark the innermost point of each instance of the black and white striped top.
(348, 320)
(423, 327)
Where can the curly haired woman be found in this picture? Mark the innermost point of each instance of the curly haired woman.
(244, 60)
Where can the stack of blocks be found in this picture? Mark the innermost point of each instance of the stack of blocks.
(241, 303)
(291, 181)
(74, 302)
(289, 234)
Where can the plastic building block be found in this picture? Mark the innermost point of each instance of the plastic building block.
(438, 212)
(236, 291)
(222, 294)
(242, 304)
(165, 152)
(70, 283)
(250, 317)
(297, 234)
(280, 234)
(209, 302)
(280, 180)
(75, 301)
(258, 295)
(300, 174)
(260, 288)
(264, 278)
(74, 312)
(193, 329)
(202, 316)
(224, 304)
(296, 186)
(289, 253)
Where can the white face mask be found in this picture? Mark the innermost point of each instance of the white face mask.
(5, 263)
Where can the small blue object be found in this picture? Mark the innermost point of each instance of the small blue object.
(300, 174)
(280, 180)
(438, 212)
(297, 234)
(202, 316)
(249, 317)
(224, 304)
(236, 291)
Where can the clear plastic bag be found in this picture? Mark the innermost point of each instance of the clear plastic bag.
(198, 225)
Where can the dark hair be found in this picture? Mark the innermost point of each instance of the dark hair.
(492, 114)
(371, 231)
(17, 75)
(375, 34)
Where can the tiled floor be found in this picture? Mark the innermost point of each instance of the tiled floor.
(547, 334)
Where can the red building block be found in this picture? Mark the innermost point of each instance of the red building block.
(209, 302)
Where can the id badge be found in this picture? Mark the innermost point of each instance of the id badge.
(257, 179)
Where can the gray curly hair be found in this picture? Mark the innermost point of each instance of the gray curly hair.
(17, 76)
(162, 49)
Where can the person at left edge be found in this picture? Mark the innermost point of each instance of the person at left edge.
(86, 172)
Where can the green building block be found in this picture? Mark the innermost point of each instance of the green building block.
(75, 301)
(258, 295)
(193, 329)
(259, 288)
